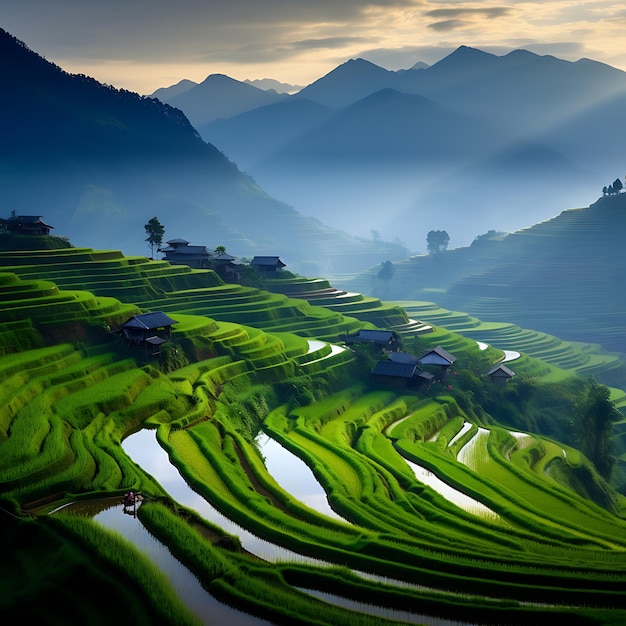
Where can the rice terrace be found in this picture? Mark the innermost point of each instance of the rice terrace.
(452, 497)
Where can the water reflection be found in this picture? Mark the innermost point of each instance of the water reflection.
(295, 476)
(451, 494)
(390, 614)
(144, 449)
(109, 512)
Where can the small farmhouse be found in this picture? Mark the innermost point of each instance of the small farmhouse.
(500, 374)
(267, 263)
(401, 374)
(402, 357)
(150, 329)
(437, 360)
(386, 339)
(26, 225)
(179, 252)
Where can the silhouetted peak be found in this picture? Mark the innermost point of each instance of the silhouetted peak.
(465, 55)
(357, 68)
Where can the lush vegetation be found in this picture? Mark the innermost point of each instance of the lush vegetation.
(462, 499)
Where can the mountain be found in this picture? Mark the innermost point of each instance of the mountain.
(97, 163)
(550, 130)
(518, 90)
(252, 136)
(269, 84)
(404, 163)
(165, 93)
(348, 83)
(219, 96)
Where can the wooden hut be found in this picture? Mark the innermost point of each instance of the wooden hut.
(500, 374)
(437, 359)
(26, 225)
(149, 329)
(385, 339)
(267, 263)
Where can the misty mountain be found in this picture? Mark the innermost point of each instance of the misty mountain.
(416, 163)
(252, 136)
(97, 163)
(540, 134)
(218, 96)
(520, 90)
(348, 83)
(165, 93)
(269, 84)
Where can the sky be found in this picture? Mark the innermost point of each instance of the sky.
(142, 45)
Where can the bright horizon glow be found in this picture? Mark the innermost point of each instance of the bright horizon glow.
(149, 44)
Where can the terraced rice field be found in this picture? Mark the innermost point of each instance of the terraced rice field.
(533, 546)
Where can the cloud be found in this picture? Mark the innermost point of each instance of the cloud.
(461, 17)
(328, 43)
(143, 44)
(448, 25)
(459, 12)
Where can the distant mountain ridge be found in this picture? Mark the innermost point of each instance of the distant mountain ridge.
(97, 163)
(555, 126)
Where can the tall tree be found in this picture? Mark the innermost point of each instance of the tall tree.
(617, 185)
(437, 241)
(155, 232)
(595, 414)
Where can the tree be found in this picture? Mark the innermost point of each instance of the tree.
(386, 270)
(155, 232)
(595, 414)
(437, 241)
(220, 250)
(617, 185)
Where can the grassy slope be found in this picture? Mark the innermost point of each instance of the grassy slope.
(84, 397)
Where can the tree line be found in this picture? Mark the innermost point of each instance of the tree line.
(613, 189)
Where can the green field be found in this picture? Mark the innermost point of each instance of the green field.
(458, 499)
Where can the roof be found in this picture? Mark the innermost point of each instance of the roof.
(396, 370)
(27, 220)
(149, 321)
(267, 260)
(501, 370)
(187, 250)
(402, 357)
(183, 242)
(224, 256)
(437, 356)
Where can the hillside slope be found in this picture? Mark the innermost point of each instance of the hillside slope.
(561, 276)
(97, 163)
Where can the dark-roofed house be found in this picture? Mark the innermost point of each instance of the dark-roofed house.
(179, 252)
(402, 357)
(26, 225)
(400, 374)
(387, 339)
(147, 328)
(438, 359)
(267, 263)
(437, 356)
(500, 374)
